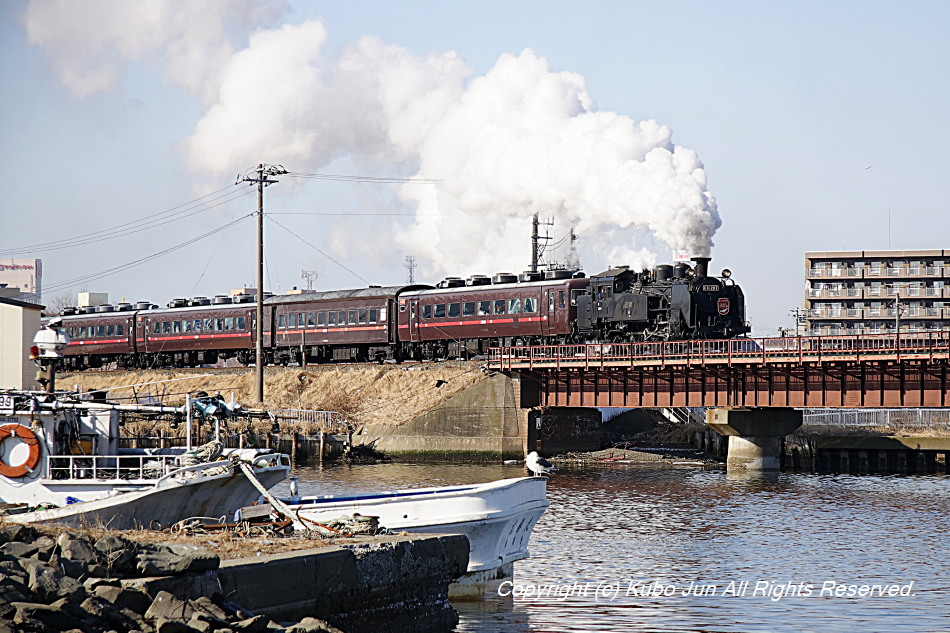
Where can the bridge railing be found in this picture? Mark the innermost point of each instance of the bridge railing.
(921, 345)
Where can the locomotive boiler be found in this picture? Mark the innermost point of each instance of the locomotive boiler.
(666, 303)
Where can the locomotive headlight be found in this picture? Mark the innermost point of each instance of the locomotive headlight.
(726, 273)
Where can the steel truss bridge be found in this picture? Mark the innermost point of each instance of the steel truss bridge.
(906, 370)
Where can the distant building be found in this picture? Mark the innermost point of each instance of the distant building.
(25, 274)
(19, 323)
(89, 299)
(251, 292)
(859, 292)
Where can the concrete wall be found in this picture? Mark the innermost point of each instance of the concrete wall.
(383, 583)
(495, 419)
(481, 423)
(19, 322)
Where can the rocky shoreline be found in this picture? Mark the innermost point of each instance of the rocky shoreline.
(64, 582)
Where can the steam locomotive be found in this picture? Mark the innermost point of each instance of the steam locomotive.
(455, 319)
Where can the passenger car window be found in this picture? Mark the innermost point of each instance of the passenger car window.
(439, 311)
(321, 318)
(468, 308)
(514, 306)
(500, 306)
(426, 312)
(455, 309)
(484, 307)
(530, 304)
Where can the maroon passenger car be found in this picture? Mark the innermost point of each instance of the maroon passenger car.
(467, 320)
(333, 326)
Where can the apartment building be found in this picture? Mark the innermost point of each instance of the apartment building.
(876, 292)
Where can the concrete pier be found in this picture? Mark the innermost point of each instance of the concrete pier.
(755, 436)
(398, 584)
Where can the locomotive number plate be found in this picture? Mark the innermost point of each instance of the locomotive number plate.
(711, 288)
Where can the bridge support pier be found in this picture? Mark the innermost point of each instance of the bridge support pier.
(755, 435)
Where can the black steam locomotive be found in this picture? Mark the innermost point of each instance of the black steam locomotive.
(667, 303)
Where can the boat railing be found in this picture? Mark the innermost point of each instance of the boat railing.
(146, 468)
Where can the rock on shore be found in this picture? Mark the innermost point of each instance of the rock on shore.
(56, 582)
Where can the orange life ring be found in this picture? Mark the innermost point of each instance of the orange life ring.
(29, 438)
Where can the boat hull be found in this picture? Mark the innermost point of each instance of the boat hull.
(160, 506)
(497, 517)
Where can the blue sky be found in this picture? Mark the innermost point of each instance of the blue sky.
(814, 123)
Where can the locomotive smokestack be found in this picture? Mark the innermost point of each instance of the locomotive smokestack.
(702, 266)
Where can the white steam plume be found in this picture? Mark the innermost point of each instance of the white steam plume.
(519, 140)
(185, 41)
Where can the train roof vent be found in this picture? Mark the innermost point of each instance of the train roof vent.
(105, 308)
(532, 275)
(69, 311)
(200, 301)
(504, 278)
(178, 303)
(478, 280)
(88, 309)
(579, 275)
(557, 274)
(224, 299)
(268, 294)
(143, 305)
(245, 298)
(451, 282)
(124, 307)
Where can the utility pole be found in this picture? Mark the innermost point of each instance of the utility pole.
(260, 176)
(536, 248)
(534, 243)
(410, 266)
(799, 315)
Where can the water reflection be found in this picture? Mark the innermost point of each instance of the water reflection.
(613, 525)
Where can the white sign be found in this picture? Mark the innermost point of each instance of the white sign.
(6, 404)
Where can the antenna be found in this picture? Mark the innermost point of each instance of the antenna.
(310, 276)
(410, 266)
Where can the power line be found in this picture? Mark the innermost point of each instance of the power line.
(384, 180)
(116, 269)
(318, 250)
(162, 218)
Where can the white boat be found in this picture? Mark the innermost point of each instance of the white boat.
(497, 517)
(60, 462)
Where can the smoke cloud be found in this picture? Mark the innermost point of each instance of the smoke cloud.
(495, 149)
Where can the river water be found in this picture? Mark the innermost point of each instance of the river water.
(634, 548)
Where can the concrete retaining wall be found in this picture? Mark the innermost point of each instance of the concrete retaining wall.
(396, 584)
(480, 423)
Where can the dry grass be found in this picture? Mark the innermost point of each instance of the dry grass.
(227, 545)
(363, 394)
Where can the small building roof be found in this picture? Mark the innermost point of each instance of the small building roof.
(22, 304)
